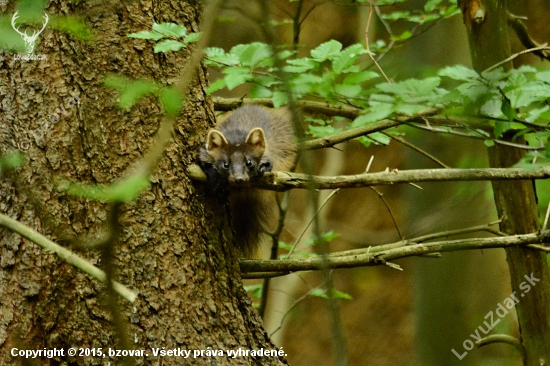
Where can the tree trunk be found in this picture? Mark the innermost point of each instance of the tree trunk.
(486, 24)
(173, 245)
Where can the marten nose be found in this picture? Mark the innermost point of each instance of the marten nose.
(239, 179)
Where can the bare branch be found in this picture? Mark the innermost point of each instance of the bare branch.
(381, 258)
(417, 149)
(283, 181)
(65, 254)
(516, 55)
(312, 219)
(501, 338)
(526, 39)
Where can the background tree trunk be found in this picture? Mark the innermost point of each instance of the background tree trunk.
(515, 201)
(171, 248)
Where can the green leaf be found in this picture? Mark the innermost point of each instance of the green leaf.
(408, 109)
(473, 91)
(171, 100)
(539, 114)
(255, 289)
(11, 160)
(341, 295)
(508, 111)
(411, 87)
(72, 25)
(216, 85)
(335, 294)
(500, 128)
(493, 108)
(192, 37)
(348, 91)
(319, 293)
(397, 15)
(146, 35)
(279, 99)
(326, 50)
(458, 72)
(234, 80)
(170, 29)
(259, 91)
(125, 190)
(252, 53)
(431, 5)
(300, 65)
(402, 37)
(347, 57)
(529, 93)
(130, 90)
(358, 78)
(318, 128)
(134, 92)
(169, 45)
(495, 75)
(544, 76)
(217, 57)
(374, 114)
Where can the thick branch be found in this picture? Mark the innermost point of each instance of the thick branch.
(282, 181)
(380, 258)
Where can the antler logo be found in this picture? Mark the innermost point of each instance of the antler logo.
(29, 40)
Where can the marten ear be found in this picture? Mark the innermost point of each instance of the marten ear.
(256, 138)
(215, 140)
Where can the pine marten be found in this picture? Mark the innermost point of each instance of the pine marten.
(247, 143)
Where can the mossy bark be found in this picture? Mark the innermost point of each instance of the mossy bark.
(173, 246)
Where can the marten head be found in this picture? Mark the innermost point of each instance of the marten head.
(237, 162)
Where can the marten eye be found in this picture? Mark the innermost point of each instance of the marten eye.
(225, 165)
(249, 163)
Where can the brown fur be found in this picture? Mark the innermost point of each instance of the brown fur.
(244, 145)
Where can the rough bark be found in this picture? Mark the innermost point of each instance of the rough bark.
(173, 245)
(486, 24)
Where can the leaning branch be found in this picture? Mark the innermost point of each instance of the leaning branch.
(525, 38)
(250, 267)
(65, 254)
(283, 181)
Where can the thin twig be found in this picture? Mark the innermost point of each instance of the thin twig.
(311, 221)
(381, 196)
(417, 149)
(525, 38)
(516, 55)
(482, 137)
(545, 225)
(501, 338)
(368, 47)
(296, 302)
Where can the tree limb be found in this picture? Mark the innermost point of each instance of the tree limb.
(382, 258)
(65, 254)
(525, 38)
(283, 181)
(501, 338)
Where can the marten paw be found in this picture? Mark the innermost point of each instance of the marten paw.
(265, 167)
